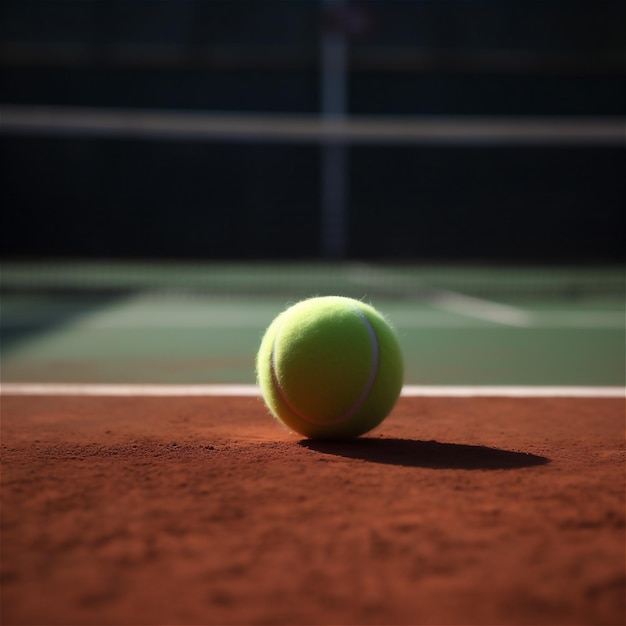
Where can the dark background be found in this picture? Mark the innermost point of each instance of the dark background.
(72, 196)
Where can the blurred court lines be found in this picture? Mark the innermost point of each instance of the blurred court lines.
(447, 339)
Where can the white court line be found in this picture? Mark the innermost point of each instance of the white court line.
(481, 309)
(408, 391)
(444, 391)
(136, 390)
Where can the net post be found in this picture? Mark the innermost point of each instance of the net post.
(334, 154)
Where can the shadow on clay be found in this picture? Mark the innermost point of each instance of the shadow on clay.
(432, 454)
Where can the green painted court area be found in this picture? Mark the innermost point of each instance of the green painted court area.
(143, 323)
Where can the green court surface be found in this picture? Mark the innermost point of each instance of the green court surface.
(199, 324)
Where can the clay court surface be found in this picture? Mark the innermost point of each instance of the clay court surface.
(145, 483)
(203, 510)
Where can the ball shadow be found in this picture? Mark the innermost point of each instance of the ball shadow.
(431, 454)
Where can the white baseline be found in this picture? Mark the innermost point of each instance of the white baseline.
(408, 391)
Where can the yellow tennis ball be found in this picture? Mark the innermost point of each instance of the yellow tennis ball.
(330, 368)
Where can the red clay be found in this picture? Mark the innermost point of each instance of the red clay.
(204, 511)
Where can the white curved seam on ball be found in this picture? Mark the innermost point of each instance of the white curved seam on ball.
(366, 389)
(373, 369)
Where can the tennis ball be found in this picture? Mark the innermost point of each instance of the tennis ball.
(330, 368)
